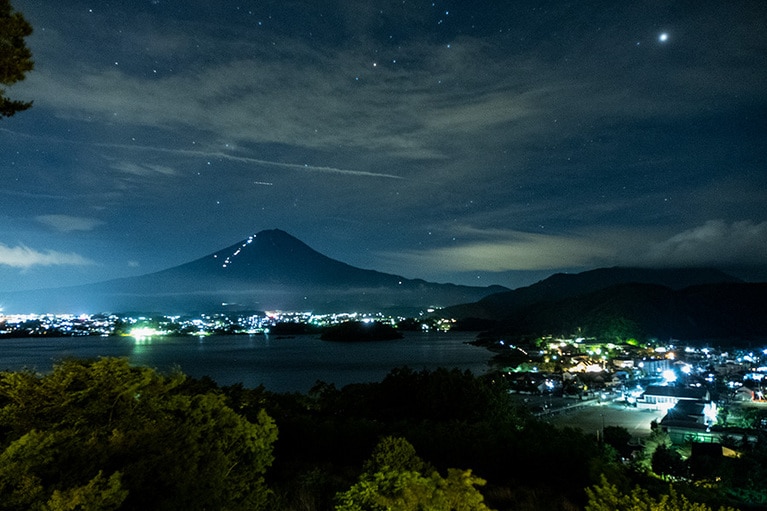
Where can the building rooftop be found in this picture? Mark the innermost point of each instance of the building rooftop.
(678, 392)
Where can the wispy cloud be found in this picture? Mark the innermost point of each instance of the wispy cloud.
(24, 257)
(715, 243)
(67, 223)
(318, 100)
(143, 169)
(516, 251)
(430, 111)
(300, 96)
(306, 167)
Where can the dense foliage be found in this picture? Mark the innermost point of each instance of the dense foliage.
(607, 497)
(396, 479)
(104, 435)
(452, 419)
(15, 57)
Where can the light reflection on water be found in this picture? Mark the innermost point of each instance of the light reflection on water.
(281, 364)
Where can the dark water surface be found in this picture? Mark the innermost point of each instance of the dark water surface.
(280, 364)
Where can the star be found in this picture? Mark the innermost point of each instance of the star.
(663, 37)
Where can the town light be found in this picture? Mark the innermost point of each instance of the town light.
(669, 375)
(143, 332)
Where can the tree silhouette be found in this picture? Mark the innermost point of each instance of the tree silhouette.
(667, 462)
(15, 57)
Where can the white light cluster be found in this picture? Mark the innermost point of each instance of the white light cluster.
(228, 260)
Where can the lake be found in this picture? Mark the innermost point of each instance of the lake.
(292, 364)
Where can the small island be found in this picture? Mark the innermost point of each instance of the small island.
(360, 331)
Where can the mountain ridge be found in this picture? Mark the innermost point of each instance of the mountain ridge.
(268, 270)
(565, 285)
(704, 312)
(691, 304)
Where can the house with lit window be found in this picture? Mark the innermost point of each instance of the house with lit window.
(664, 397)
(691, 416)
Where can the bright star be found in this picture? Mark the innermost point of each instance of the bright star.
(663, 37)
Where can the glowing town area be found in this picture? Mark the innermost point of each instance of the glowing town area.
(691, 392)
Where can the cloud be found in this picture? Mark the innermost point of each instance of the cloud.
(242, 159)
(519, 251)
(143, 169)
(309, 98)
(270, 86)
(25, 257)
(67, 223)
(715, 243)
(449, 110)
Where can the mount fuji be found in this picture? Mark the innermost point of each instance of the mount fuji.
(267, 271)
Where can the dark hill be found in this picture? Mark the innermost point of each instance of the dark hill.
(270, 270)
(564, 285)
(724, 311)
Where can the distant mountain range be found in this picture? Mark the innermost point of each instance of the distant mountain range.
(273, 270)
(270, 270)
(684, 304)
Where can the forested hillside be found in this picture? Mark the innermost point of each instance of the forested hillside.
(105, 435)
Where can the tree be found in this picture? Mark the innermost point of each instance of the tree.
(619, 438)
(607, 497)
(398, 484)
(15, 57)
(657, 437)
(394, 453)
(103, 434)
(667, 462)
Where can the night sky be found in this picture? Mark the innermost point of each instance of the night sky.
(468, 142)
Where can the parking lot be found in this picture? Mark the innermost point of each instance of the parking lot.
(593, 416)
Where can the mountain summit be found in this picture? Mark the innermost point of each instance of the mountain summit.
(276, 257)
(266, 271)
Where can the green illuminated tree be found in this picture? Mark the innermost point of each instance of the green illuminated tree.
(651, 444)
(393, 481)
(607, 497)
(394, 453)
(103, 434)
(15, 57)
